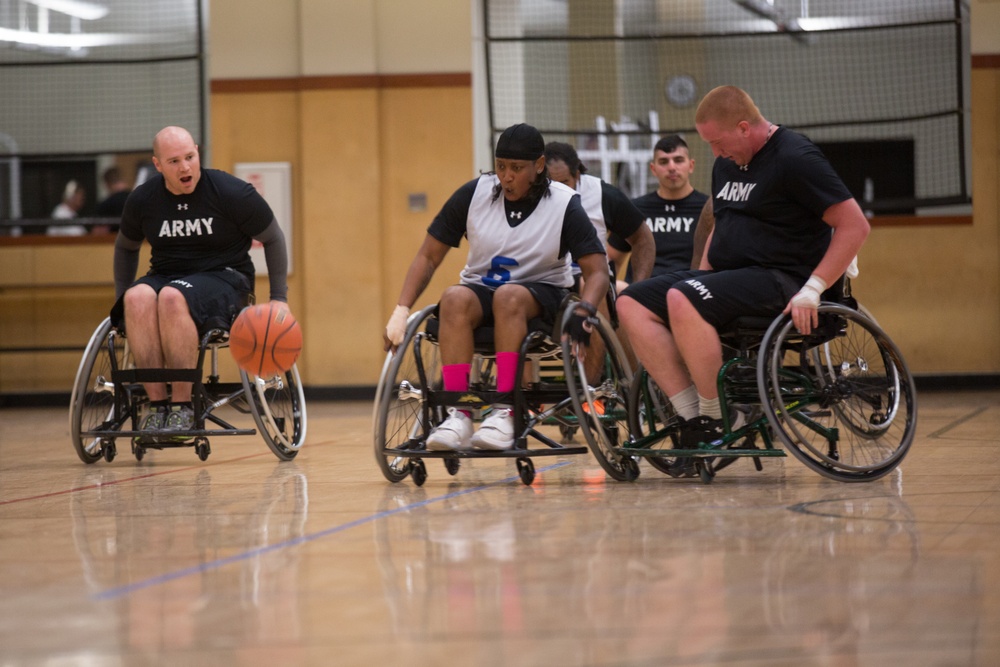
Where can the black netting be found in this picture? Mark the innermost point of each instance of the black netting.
(98, 76)
(838, 71)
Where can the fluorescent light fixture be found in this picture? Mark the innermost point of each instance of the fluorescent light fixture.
(88, 11)
(84, 40)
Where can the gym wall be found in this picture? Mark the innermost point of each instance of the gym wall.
(372, 102)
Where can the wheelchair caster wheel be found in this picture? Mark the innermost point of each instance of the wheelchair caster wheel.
(526, 469)
(202, 449)
(109, 450)
(139, 452)
(631, 469)
(452, 466)
(418, 471)
(705, 471)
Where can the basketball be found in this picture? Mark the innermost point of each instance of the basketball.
(265, 339)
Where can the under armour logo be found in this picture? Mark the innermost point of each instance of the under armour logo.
(515, 214)
(669, 207)
(744, 167)
(182, 207)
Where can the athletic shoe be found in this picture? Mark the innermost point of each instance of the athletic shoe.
(701, 429)
(705, 429)
(497, 431)
(179, 418)
(153, 422)
(451, 434)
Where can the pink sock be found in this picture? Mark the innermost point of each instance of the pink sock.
(456, 378)
(506, 370)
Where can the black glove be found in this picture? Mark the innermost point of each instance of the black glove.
(579, 326)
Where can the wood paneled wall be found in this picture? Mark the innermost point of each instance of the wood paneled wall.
(360, 143)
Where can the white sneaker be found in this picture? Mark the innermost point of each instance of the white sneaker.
(497, 431)
(451, 434)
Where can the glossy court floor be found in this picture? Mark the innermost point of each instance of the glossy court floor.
(243, 560)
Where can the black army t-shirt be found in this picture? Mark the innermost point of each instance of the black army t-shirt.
(672, 222)
(207, 230)
(771, 213)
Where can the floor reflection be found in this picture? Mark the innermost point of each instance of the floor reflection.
(169, 558)
(717, 581)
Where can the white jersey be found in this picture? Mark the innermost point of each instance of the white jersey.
(592, 197)
(527, 253)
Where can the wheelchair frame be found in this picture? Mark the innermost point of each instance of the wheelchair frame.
(108, 402)
(841, 399)
(407, 404)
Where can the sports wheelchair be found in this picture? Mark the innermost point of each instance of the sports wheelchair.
(552, 393)
(108, 401)
(840, 399)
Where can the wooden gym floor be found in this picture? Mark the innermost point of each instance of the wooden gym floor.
(243, 560)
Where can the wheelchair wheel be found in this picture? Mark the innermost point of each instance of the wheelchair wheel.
(399, 399)
(845, 403)
(92, 404)
(649, 410)
(278, 406)
(601, 404)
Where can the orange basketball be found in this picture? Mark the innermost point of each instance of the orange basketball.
(265, 339)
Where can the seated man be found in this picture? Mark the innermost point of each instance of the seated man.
(671, 211)
(611, 212)
(775, 198)
(522, 229)
(199, 224)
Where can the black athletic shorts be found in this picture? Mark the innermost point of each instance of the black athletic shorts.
(214, 298)
(548, 296)
(720, 296)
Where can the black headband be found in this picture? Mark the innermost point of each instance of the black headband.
(520, 142)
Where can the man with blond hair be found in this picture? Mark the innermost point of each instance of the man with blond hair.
(775, 201)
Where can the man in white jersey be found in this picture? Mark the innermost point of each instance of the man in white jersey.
(522, 229)
(610, 210)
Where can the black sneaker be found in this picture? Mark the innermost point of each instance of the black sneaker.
(682, 466)
(153, 422)
(701, 429)
(180, 418)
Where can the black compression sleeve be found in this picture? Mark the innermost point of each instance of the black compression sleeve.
(126, 263)
(276, 257)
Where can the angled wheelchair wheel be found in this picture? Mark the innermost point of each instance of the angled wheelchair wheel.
(278, 406)
(399, 412)
(601, 402)
(650, 411)
(92, 403)
(841, 400)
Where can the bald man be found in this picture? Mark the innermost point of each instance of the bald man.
(199, 224)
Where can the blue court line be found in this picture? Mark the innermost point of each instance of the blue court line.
(121, 591)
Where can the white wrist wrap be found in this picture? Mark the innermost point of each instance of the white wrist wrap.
(852, 270)
(395, 330)
(808, 296)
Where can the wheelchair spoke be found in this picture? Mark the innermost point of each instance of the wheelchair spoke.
(400, 402)
(601, 405)
(278, 407)
(850, 414)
